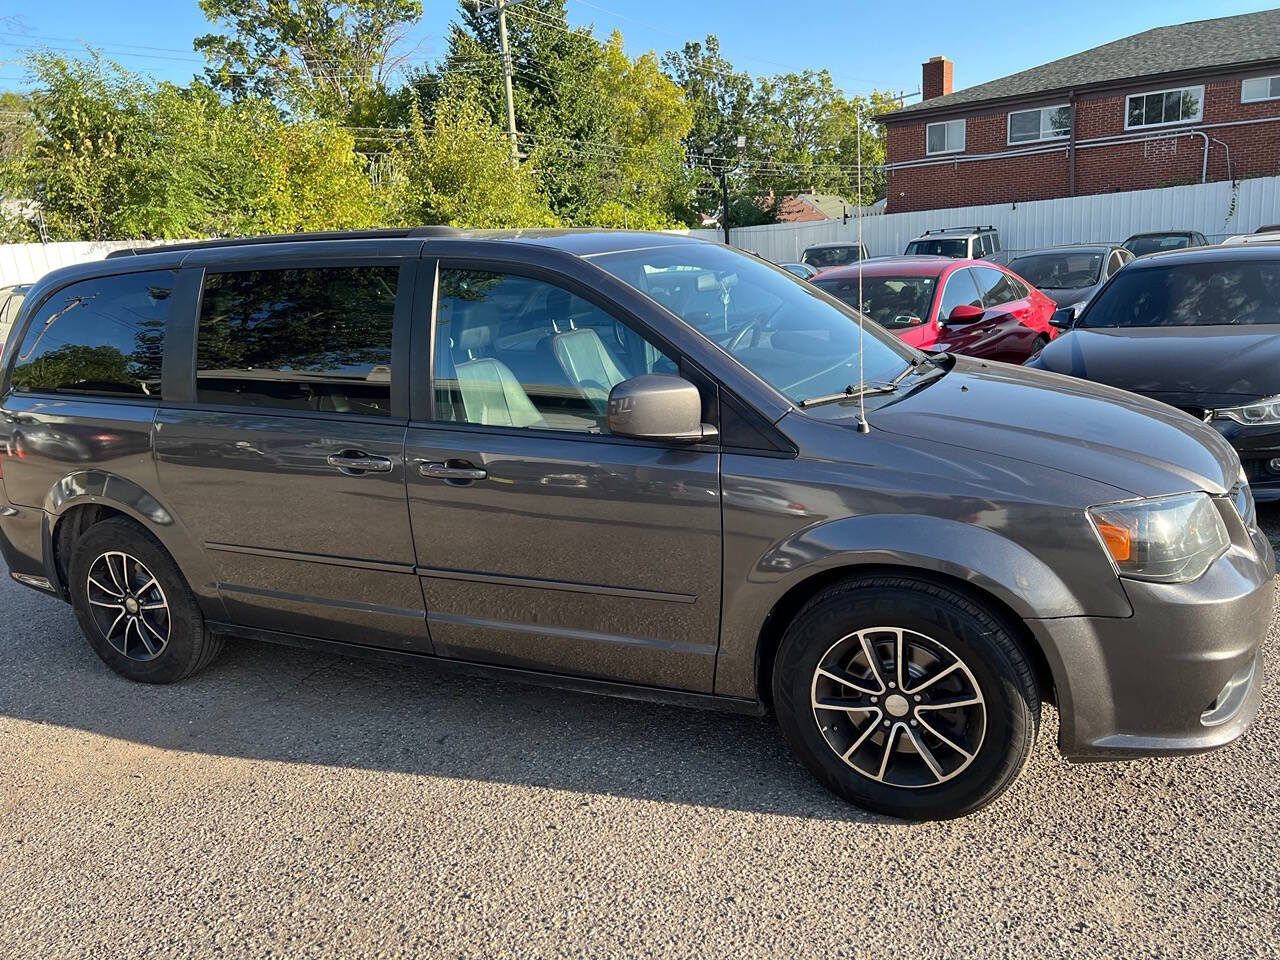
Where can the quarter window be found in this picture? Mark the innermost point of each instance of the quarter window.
(945, 137)
(102, 337)
(315, 339)
(1260, 88)
(1164, 107)
(512, 351)
(1043, 123)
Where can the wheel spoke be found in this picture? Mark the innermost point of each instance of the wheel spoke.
(963, 700)
(945, 672)
(142, 636)
(143, 589)
(111, 571)
(846, 704)
(890, 739)
(873, 661)
(925, 754)
(847, 680)
(157, 605)
(154, 631)
(862, 738)
(103, 603)
(945, 739)
(124, 648)
(898, 658)
(108, 592)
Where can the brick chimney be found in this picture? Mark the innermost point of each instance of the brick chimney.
(935, 78)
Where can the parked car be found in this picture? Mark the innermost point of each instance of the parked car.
(1143, 243)
(1269, 228)
(1198, 330)
(1262, 236)
(971, 307)
(11, 298)
(1071, 274)
(801, 270)
(962, 243)
(629, 463)
(820, 256)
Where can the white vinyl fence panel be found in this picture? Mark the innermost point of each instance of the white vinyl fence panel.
(1217, 210)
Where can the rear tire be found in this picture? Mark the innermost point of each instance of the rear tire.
(135, 607)
(941, 737)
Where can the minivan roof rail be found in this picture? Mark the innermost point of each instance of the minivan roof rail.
(384, 233)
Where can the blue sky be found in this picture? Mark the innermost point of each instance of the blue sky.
(865, 45)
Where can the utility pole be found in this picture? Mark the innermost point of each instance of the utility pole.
(500, 7)
(724, 194)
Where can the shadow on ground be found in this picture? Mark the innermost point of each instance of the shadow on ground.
(267, 702)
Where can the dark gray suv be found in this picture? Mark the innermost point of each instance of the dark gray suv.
(631, 463)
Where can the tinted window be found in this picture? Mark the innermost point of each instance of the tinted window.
(1157, 242)
(102, 337)
(938, 248)
(823, 257)
(1190, 295)
(889, 301)
(959, 290)
(1068, 270)
(512, 351)
(996, 286)
(299, 339)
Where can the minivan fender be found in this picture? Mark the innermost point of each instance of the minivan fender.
(100, 488)
(974, 555)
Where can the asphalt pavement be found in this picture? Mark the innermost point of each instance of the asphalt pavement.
(288, 804)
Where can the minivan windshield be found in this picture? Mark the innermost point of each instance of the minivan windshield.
(1072, 270)
(956, 249)
(780, 328)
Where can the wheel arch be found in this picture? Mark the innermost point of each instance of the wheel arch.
(80, 500)
(793, 601)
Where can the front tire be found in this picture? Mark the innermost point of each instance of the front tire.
(906, 697)
(134, 606)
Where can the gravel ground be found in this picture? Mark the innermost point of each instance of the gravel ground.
(290, 804)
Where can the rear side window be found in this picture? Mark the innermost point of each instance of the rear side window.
(996, 285)
(1201, 294)
(959, 290)
(315, 338)
(102, 337)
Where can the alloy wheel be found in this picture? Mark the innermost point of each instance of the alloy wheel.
(128, 605)
(898, 707)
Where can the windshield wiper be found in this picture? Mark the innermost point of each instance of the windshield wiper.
(853, 393)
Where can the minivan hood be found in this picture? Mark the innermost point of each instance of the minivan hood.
(1201, 367)
(1084, 429)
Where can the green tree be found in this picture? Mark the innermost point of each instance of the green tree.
(458, 171)
(322, 56)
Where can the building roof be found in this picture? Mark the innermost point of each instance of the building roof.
(803, 207)
(1180, 48)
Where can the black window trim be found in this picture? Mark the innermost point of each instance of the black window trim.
(30, 309)
(182, 380)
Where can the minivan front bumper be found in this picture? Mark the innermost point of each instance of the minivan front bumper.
(1182, 675)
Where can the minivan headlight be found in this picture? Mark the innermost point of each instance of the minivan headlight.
(1266, 410)
(1168, 539)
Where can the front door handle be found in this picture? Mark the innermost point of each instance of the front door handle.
(357, 462)
(453, 470)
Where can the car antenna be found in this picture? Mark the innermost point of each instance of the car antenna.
(863, 426)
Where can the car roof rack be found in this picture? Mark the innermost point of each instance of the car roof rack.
(381, 233)
(957, 229)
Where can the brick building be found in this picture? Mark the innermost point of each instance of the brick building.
(1179, 104)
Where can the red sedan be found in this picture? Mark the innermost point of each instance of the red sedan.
(972, 307)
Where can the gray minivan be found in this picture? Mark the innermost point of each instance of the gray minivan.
(631, 463)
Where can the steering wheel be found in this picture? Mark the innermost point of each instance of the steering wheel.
(753, 327)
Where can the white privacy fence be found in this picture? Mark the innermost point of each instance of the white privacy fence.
(1215, 209)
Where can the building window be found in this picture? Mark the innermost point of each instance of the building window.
(1161, 108)
(1260, 88)
(1044, 123)
(946, 137)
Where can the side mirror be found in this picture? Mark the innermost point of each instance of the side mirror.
(654, 406)
(1063, 318)
(965, 313)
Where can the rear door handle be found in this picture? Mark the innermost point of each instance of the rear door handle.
(357, 461)
(452, 471)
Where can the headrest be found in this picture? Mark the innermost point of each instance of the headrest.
(475, 339)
